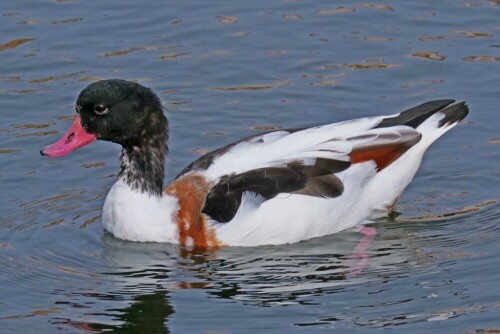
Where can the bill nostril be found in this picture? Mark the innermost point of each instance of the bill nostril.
(70, 137)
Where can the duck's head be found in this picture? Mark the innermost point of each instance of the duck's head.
(119, 111)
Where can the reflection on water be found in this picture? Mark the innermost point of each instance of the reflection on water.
(144, 274)
(119, 286)
(148, 279)
(147, 313)
(226, 71)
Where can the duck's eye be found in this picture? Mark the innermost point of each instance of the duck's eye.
(100, 109)
(78, 108)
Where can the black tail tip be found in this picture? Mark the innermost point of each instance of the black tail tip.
(454, 114)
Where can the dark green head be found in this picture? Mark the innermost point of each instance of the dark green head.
(120, 111)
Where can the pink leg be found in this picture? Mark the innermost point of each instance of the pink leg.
(360, 257)
(368, 231)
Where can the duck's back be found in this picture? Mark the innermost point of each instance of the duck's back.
(289, 185)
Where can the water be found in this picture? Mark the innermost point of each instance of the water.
(225, 70)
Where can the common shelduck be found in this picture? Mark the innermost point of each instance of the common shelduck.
(277, 187)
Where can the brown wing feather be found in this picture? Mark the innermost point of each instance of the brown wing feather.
(384, 153)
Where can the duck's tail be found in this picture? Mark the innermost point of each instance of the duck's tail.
(416, 116)
(432, 119)
(453, 114)
(441, 122)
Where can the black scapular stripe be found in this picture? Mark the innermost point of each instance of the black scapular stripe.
(224, 199)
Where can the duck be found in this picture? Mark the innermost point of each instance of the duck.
(276, 187)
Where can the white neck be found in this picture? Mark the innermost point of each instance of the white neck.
(136, 216)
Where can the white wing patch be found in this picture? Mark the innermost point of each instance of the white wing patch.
(333, 142)
(279, 146)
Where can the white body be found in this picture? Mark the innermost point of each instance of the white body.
(285, 218)
(131, 215)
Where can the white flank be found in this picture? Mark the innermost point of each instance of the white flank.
(367, 193)
(292, 218)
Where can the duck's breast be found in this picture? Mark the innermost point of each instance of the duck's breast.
(135, 216)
